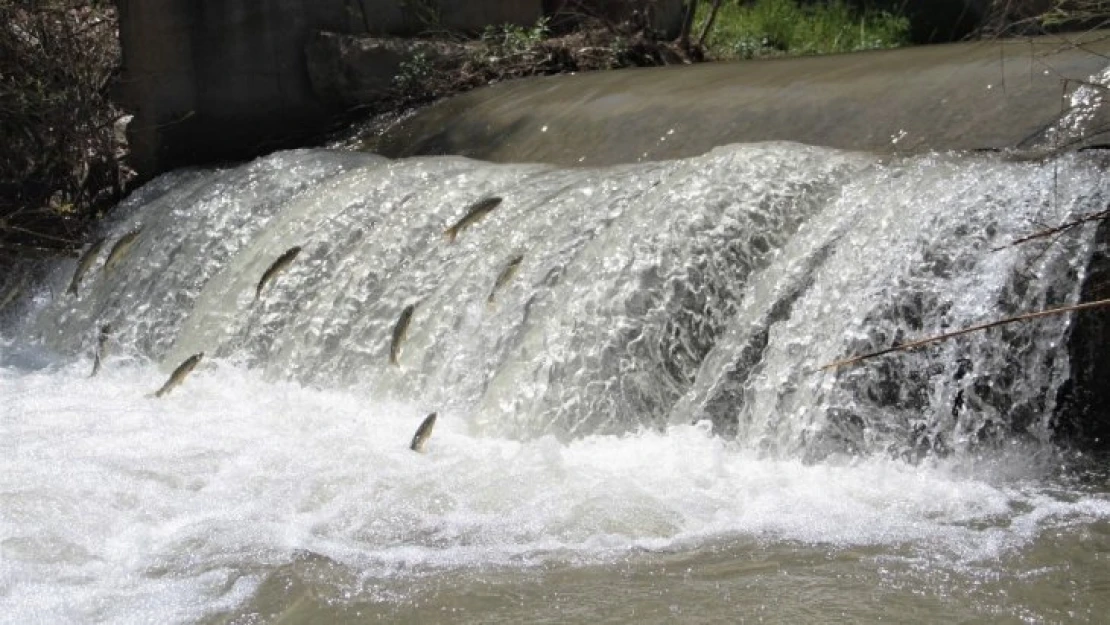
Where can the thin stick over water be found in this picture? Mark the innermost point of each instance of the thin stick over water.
(1102, 214)
(941, 337)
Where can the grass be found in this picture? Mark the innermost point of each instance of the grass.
(745, 30)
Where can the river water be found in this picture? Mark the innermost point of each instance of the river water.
(633, 425)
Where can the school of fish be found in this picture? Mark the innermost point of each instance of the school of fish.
(122, 247)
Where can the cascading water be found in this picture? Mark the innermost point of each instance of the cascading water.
(719, 283)
(647, 380)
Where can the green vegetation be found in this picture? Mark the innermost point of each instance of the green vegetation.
(510, 39)
(457, 63)
(413, 75)
(744, 30)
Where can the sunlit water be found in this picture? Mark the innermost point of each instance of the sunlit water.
(633, 429)
(240, 492)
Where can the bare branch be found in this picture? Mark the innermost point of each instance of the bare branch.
(1102, 214)
(942, 337)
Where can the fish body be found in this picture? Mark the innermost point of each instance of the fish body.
(101, 346)
(400, 331)
(179, 374)
(423, 433)
(277, 267)
(84, 263)
(506, 274)
(121, 248)
(473, 215)
(13, 293)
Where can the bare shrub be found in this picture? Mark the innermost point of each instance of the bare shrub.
(507, 52)
(61, 160)
(1036, 17)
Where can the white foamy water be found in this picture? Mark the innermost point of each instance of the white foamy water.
(115, 507)
(643, 386)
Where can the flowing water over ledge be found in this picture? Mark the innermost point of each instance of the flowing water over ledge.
(632, 425)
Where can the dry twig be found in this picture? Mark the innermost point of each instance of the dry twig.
(941, 337)
(1102, 214)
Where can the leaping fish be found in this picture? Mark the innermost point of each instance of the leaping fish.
(13, 293)
(423, 433)
(503, 278)
(101, 347)
(84, 263)
(277, 267)
(400, 332)
(473, 215)
(179, 374)
(120, 249)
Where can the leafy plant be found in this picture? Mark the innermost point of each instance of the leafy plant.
(414, 74)
(512, 39)
(785, 27)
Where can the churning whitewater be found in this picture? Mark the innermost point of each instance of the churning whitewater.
(622, 360)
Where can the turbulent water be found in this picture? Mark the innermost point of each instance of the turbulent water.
(626, 362)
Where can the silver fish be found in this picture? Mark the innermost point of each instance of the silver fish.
(101, 347)
(476, 212)
(13, 293)
(277, 267)
(120, 249)
(400, 331)
(506, 274)
(423, 433)
(84, 263)
(179, 374)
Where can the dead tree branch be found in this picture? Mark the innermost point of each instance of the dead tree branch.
(942, 337)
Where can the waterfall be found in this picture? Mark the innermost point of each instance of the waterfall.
(648, 295)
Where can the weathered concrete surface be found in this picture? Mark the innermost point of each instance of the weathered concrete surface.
(211, 80)
(349, 70)
(227, 79)
(955, 96)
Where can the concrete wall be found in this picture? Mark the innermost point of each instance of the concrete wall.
(217, 79)
(213, 80)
